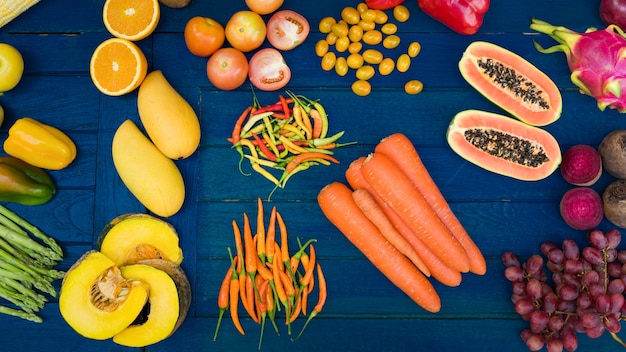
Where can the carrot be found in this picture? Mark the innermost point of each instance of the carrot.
(438, 269)
(337, 204)
(396, 189)
(366, 202)
(223, 298)
(401, 151)
(260, 230)
(320, 301)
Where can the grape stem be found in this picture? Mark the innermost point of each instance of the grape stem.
(616, 338)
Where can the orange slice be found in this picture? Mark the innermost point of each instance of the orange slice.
(131, 19)
(117, 66)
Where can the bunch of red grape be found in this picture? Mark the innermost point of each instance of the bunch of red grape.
(585, 293)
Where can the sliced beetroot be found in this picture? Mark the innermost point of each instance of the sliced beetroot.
(582, 208)
(581, 165)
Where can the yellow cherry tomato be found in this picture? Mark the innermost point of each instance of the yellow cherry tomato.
(391, 41)
(386, 66)
(361, 88)
(389, 28)
(367, 25)
(355, 33)
(331, 38)
(365, 72)
(328, 61)
(325, 24)
(381, 17)
(401, 13)
(350, 15)
(342, 44)
(403, 63)
(413, 87)
(362, 7)
(369, 15)
(372, 37)
(414, 49)
(355, 61)
(355, 47)
(372, 56)
(341, 66)
(340, 29)
(321, 47)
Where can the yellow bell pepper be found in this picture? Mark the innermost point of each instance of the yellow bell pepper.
(39, 144)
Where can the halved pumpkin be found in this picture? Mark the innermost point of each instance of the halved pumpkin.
(130, 238)
(96, 301)
(168, 303)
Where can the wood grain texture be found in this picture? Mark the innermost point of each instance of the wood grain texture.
(364, 311)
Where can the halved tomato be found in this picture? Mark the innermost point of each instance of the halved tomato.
(287, 29)
(268, 70)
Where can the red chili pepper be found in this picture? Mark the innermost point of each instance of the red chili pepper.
(264, 149)
(462, 16)
(382, 4)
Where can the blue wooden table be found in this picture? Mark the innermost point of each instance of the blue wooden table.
(364, 312)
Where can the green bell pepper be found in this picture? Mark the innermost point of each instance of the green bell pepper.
(23, 183)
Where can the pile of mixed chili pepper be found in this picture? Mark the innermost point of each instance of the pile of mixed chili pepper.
(265, 277)
(289, 136)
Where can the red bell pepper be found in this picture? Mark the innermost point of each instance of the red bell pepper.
(462, 16)
(382, 4)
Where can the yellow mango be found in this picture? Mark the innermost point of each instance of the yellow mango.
(169, 120)
(153, 178)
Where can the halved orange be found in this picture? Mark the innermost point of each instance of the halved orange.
(117, 66)
(131, 19)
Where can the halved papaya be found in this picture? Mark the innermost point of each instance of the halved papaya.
(504, 145)
(512, 83)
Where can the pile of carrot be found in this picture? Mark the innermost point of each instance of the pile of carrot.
(395, 214)
(284, 138)
(265, 278)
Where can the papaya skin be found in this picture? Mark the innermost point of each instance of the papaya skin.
(148, 174)
(169, 120)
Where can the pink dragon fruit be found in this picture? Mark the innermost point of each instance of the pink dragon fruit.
(596, 58)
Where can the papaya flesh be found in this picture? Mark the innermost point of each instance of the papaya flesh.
(512, 83)
(503, 145)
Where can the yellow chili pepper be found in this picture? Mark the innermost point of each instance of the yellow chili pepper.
(39, 144)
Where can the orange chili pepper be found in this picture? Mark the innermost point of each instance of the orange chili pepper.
(223, 298)
(237, 130)
(308, 156)
(284, 245)
(285, 105)
(310, 269)
(234, 298)
(250, 294)
(320, 301)
(271, 236)
(318, 123)
(260, 231)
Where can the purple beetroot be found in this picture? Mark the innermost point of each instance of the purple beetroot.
(582, 208)
(581, 165)
(596, 58)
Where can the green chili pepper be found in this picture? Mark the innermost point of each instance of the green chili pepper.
(23, 183)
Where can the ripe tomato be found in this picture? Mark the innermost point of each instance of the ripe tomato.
(227, 68)
(287, 29)
(203, 36)
(264, 7)
(268, 70)
(245, 31)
